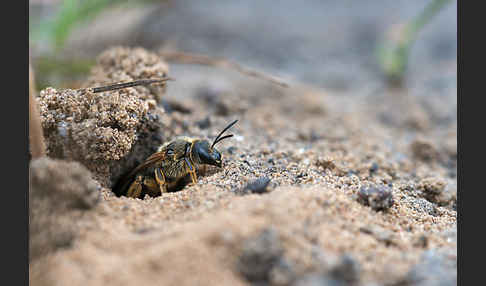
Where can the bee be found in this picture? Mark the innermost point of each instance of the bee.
(172, 162)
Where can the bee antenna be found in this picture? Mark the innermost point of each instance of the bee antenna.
(219, 138)
(222, 138)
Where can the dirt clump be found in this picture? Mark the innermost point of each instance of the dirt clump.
(109, 132)
(59, 194)
(440, 191)
(424, 150)
(261, 258)
(123, 64)
(347, 270)
(436, 267)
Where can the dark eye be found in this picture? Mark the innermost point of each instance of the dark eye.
(170, 152)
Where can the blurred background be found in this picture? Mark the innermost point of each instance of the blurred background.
(349, 47)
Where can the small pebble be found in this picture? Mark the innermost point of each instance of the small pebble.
(231, 150)
(377, 197)
(258, 186)
(374, 168)
(204, 124)
(347, 270)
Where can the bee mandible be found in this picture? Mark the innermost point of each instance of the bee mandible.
(172, 162)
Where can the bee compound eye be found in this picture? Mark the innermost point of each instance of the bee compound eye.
(170, 152)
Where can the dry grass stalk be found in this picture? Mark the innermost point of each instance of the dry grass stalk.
(36, 138)
(125, 85)
(191, 58)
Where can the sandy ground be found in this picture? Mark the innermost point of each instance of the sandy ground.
(336, 180)
(362, 189)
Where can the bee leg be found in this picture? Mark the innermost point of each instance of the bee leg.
(194, 177)
(135, 188)
(192, 171)
(152, 186)
(160, 178)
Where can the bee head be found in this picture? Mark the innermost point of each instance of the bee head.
(206, 153)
